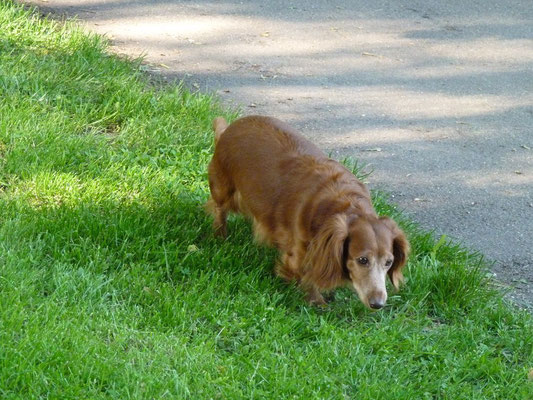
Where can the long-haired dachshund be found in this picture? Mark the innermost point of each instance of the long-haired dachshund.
(313, 209)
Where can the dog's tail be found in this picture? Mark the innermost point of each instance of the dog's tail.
(219, 126)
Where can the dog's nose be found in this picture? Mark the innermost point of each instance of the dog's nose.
(376, 304)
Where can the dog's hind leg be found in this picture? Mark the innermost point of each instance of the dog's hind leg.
(220, 215)
(221, 199)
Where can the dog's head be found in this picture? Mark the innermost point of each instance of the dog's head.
(361, 252)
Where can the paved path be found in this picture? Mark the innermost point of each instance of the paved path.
(436, 96)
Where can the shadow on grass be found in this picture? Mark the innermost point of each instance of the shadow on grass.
(167, 235)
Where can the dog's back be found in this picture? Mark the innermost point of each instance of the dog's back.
(264, 168)
(254, 155)
(262, 138)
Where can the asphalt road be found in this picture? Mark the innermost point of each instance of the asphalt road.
(436, 97)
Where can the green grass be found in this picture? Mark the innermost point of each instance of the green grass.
(112, 286)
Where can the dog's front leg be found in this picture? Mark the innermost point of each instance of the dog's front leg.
(313, 295)
(288, 267)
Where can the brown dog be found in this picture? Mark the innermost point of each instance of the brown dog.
(310, 207)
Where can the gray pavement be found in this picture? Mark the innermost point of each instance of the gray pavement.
(435, 96)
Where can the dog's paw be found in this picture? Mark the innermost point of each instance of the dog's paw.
(316, 299)
(329, 297)
(220, 232)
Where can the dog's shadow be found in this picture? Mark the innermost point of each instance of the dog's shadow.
(174, 237)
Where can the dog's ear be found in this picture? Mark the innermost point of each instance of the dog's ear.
(400, 251)
(323, 259)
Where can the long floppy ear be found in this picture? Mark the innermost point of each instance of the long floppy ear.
(400, 250)
(323, 259)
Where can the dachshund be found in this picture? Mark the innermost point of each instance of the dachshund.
(310, 207)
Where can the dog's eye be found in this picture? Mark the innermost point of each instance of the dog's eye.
(388, 263)
(362, 260)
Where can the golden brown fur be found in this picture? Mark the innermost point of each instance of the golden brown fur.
(314, 210)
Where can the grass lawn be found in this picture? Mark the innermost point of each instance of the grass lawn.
(112, 285)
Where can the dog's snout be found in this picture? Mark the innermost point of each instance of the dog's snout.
(377, 300)
(376, 304)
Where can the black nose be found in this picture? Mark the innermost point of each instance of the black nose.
(376, 304)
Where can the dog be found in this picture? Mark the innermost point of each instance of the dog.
(312, 208)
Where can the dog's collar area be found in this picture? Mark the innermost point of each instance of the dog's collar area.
(345, 250)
